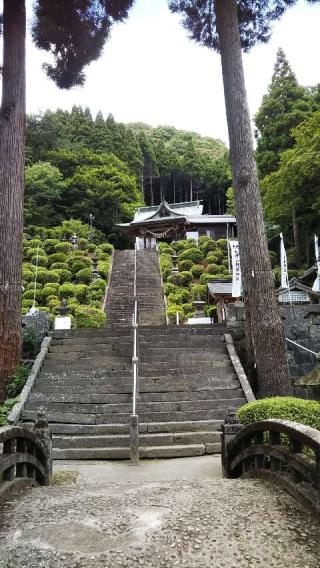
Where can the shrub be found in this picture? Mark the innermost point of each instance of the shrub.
(65, 276)
(208, 245)
(96, 290)
(212, 258)
(220, 254)
(179, 298)
(30, 343)
(165, 265)
(73, 305)
(52, 298)
(172, 313)
(199, 291)
(181, 279)
(185, 265)
(285, 408)
(104, 269)
(52, 276)
(42, 274)
(67, 290)
(87, 316)
(98, 284)
(197, 270)
(179, 246)
(188, 310)
(34, 243)
(82, 244)
(49, 245)
(78, 265)
(53, 302)
(81, 292)
(27, 303)
(28, 294)
(84, 276)
(41, 260)
(49, 290)
(76, 254)
(53, 286)
(32, 285)
(169, 288)
(193, 254)
(32, 252)
(106, 247)
(57, 257)
(64, 247)
(210, 311)
(205, 278)
(103, 256)
(165, 247)
(59, 266)
(213, 269)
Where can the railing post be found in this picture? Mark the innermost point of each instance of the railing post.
(134, 440)
(9, 448)
(41, 429)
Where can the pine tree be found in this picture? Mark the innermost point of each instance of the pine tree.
(230, 26)
(284, 106)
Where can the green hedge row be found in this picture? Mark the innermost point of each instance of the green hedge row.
(284, 408)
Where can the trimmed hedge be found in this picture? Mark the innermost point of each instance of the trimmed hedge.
(285, 408)
(194, 254)
(87, 316)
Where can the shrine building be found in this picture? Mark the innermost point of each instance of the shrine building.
(174, 222)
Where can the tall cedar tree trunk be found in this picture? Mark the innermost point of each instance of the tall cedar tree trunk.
(264, 325)
(12, 140)
(295, 227)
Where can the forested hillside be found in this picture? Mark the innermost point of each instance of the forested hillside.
(77, 165)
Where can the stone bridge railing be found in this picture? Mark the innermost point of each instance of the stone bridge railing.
(279, 450)
(25, 455)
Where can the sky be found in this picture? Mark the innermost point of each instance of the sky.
(151, 72)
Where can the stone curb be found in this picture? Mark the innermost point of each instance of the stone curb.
(14, 415)
(238, 368)
(104, 303)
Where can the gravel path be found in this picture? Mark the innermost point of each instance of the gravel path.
(191, 524)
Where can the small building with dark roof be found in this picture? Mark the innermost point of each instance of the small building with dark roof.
(172, 222)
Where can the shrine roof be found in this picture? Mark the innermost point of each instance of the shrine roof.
(220, 287)
(211, 219)
(186, 209)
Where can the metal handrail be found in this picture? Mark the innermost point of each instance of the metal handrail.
(134, 419)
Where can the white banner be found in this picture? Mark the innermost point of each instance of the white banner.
(283, 264)
(236, 269)
(316, 284)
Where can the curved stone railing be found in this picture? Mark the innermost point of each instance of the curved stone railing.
(279, 450)
(25, 455)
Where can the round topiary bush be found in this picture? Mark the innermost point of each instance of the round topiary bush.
(181, 296)
(53, 285)
(53, 276)
(49, 291)
(65, 276)
(49, 245)
(40, 260)
(59, 266)
(84, 276)
(57, 257)
(29, 294)
(34, 243)
(188, 310)
(179, 246)
(106, 247)
(169, 288)
(284, 408)
(32, 285)
(64, 247)
(211, 311)
(181, 279)
(32, 252)
(67, 290)
(89, 317)
(213, 269)
(212, 258)
(81, 293)
(197, 270)
(208, 245)
(78, 265)
(185, 265)
(165, 265)
(193, 254)
(91, 247)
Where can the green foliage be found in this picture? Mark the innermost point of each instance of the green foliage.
(169, 288)
(64, 247)
(59, 266)
(197, 270)
(106, 247)
(194, 254)
(88, 317)
(188, 310)
(18, 380)
(30, 343)
(5, 409)
(84, 276)
(66, 290)
(165, 265)
(181, 278)
(185, 265)
(79, 265)
(104, 269)
(57, 257)
(49, 245)
(81, 292)
(172, 311)
(200, 291)
(65, 276)
(305, 412)
(181, 296)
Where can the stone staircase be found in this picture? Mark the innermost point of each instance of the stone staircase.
(187, 386)
(149, 289)
(119, 303)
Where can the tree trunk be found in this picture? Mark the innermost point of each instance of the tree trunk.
(12, 140)
(151, 192)
(295, 227)
(191, 188)
(262, 308)
(174, 189)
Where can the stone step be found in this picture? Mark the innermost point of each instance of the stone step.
(124, 453)
(99, 398)
(181, 416)
(143, 407)
(92, 348)
(145, 439)
(93, 357)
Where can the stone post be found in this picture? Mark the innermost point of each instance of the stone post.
(230, 429)
(41, 429)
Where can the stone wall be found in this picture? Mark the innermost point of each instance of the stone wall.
(301, 323)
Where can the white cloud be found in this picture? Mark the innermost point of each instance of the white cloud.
(151, 72)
